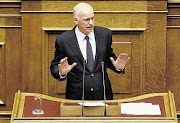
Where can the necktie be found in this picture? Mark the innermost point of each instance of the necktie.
(90, 59)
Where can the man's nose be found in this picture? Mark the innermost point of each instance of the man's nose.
(90, 21)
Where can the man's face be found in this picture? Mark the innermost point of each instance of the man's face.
(85, 22)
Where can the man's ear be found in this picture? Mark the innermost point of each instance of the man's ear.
(75, 20)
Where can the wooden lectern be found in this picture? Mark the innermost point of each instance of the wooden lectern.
(62, 110)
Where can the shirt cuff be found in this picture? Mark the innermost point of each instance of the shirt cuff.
(62, 76)
(120, 69)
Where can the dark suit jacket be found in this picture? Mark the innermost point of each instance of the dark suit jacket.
(67, 46)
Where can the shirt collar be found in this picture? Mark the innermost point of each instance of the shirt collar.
(81, 36)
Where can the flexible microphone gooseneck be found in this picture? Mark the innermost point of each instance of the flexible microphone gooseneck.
(84, 64)
(102, 64)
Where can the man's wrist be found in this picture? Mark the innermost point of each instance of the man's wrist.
(120, 69)
(62, 76)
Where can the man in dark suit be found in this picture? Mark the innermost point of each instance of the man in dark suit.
(92, 43)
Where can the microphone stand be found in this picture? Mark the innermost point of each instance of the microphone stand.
(84, 63)
(102, 64)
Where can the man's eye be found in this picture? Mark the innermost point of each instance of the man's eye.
(89, 19)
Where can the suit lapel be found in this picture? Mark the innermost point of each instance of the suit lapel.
(73, 43)
(99, 43)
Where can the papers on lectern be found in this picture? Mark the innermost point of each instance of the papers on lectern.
(93, 104)
(1, 102)
(141, 108)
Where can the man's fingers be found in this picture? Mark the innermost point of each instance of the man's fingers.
(123, 56)
(120, 56)
(73, 65)
(128, 58)
(60, 66)
(64, 60)
(112, 60)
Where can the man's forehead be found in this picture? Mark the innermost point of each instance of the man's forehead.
(87, 15)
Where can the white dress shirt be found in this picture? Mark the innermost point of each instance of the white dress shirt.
(82, 42)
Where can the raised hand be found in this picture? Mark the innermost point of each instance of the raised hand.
(121, 61)
(64, 67)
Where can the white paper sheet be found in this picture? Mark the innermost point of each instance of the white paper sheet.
(140, 109)
(93, 104)
(1, 102)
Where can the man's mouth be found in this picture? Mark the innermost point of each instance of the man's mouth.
(90, 26)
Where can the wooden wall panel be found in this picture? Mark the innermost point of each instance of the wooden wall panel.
(5, 116)
(31, 53)
(173, 51)
(2, 75)
(117, 20)
(10, 7)
(173, 64)
(57, 6)
(58, 87)
(11, 1)
(156, 48)
(122, 84)
(10, 34)
(174, 1)
(13, 64)
(129, 84)
(173, 21)
(156, 53)
(16, 21)
(5, 120)
(58, 20)
(120, 20)
(10, 10)
(174, 11)
(156, 5)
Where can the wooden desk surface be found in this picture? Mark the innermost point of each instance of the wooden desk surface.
(53, 108)
(24, 104)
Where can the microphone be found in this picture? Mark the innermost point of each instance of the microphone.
(102, 65)
(84, 64)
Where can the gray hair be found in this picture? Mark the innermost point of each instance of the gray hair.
(81, 7)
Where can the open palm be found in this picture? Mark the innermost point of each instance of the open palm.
(121, 61)
(64, 67)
